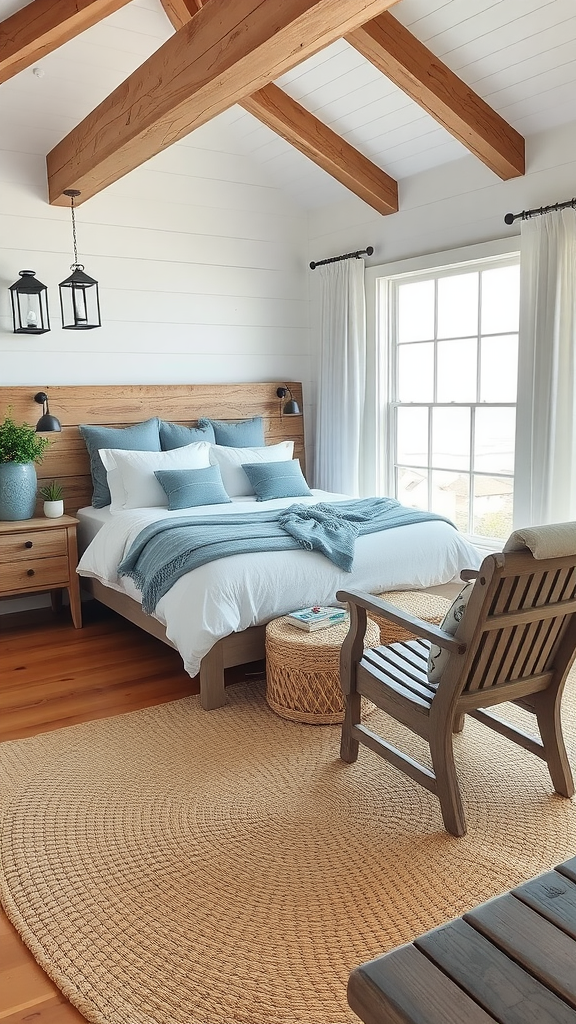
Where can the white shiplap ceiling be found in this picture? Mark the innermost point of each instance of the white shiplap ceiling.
(518, 55)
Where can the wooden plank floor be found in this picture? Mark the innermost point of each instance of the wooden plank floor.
(52, 676)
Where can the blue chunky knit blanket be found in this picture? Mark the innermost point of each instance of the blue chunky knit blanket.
(164, 551)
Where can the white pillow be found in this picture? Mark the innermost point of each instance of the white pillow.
(438, 656)
(131, 474)
(231, 460)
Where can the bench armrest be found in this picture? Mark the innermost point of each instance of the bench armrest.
(469, 574)
(421, 628)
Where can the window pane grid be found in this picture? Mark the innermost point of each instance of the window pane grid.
(478, 356)
(472, 449)
(435, 385)
(457, 337)
(453, 405)
(464, 468)
(465, 517)
(414, 467)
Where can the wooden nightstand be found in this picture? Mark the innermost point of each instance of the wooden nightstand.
(41, 554)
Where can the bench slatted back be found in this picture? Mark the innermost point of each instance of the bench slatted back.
(520, 623)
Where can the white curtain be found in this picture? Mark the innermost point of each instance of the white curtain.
(341, 376)
(545, 473)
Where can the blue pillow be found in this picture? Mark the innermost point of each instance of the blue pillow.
(141, 437)
(175, 435)
(186, 488)
(277, 480)
(237, 433)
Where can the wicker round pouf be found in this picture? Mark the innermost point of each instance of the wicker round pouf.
(303, 670)
(430, 607)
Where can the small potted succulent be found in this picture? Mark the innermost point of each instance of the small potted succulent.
(20, 448)
(53, 499)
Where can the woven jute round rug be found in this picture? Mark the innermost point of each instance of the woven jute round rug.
(177, 866)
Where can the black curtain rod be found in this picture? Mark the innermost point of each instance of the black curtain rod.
(346, 256)
(526, 214)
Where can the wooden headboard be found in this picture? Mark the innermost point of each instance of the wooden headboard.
(121, 405)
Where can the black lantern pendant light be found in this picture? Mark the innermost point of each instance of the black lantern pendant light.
(78, 293)
(29, 305)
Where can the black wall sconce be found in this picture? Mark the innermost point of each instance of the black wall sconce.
(79, 300)
(29, 305)
(291, 408)
(47, 423)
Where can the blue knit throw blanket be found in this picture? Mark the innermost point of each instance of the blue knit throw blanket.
(164, 551)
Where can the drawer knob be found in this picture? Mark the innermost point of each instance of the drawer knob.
(28, 544)
(30, 572)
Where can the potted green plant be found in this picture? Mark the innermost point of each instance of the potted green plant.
(53, 499)
(20, 448)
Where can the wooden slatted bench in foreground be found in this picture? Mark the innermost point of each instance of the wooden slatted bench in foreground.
(511, 960)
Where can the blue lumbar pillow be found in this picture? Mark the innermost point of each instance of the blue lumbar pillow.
(141, 437)
(186, 488)
(237, 433)
(176, 435)
(277, 480)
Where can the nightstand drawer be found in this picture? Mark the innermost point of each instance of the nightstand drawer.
(41, 554)
(46, 572)
(32, 544)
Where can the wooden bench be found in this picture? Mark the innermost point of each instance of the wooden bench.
(511, 960)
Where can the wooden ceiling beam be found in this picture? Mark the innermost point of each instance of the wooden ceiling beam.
(226, 52)
(180, 11)
(423, 77)
(307, 134)
(318, 142)
(43, 26)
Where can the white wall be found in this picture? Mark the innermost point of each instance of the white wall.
(200, 262)
(203, 262)
(454, 205)
(201, 265)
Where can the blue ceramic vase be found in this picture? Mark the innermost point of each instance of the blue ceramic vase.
(18, 485)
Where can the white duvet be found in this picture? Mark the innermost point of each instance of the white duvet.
(231, 594)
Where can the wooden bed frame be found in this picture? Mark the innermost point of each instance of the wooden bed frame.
(120, 406)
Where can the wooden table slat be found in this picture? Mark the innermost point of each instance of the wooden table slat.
(510, 960)
(531, 940)
(490, 977)
(404, 987)
(553, 896)
(568, 868)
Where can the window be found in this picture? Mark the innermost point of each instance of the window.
(453, 352)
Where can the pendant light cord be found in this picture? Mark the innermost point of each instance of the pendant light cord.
(76, 264)
(72, 193)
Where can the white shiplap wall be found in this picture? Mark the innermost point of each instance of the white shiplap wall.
(518, 56)
(202, 254)
(199, 254)
(200, 264)
(445, 207)
(202, 273)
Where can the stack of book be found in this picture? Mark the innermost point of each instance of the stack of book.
(317, 617)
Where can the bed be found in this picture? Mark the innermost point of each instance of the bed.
(215, 615)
